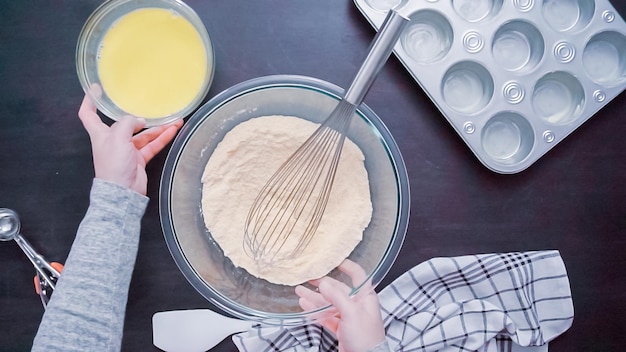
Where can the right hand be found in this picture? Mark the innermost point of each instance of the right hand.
(358, 324)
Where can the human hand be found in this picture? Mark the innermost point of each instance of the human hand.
(120, 156)
(357, 324)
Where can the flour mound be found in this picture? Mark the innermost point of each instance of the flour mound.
(239, 167)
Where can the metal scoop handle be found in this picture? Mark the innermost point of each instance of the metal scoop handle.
(47, 274)
(378, 53)
(44, 270)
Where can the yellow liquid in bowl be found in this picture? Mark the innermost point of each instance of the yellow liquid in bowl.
(152, 63)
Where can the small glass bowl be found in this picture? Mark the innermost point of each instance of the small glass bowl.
(90, 39)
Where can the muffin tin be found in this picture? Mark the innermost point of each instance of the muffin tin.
(513, 77)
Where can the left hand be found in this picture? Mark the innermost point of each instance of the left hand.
(119, 156)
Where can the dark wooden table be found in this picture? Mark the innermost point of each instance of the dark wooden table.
(573, 199)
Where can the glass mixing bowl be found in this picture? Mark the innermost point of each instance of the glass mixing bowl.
(90, 41)
(200, 258)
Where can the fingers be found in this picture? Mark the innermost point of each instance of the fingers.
(145, 137)
(310, 300)
(127, 126)
(354, 270)
(358, 276)
(332, 291)
(149, 142)
(156, 141)
(314, 299)
(336, 293)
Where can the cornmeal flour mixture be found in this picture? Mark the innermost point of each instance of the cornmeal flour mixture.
(239, 167)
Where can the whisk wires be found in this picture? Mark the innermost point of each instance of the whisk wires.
(289, 208)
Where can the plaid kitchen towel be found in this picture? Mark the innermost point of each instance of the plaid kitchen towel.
(488, 302)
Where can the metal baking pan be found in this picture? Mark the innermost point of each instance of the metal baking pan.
(513, 77)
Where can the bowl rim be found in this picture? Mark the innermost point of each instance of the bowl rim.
(96, 16)
(178, 146)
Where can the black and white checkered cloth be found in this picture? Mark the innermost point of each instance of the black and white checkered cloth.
(489, 302)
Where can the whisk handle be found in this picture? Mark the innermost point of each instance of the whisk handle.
(379, 52)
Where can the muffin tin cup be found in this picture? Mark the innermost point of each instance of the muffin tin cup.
(513, 78)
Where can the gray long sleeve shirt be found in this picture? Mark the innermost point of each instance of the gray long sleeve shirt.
(86, 311)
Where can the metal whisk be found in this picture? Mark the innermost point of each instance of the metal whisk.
(287, 212)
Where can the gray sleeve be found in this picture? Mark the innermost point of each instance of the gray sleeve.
(86, 311)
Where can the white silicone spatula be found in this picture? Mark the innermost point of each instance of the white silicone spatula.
(193, 330)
